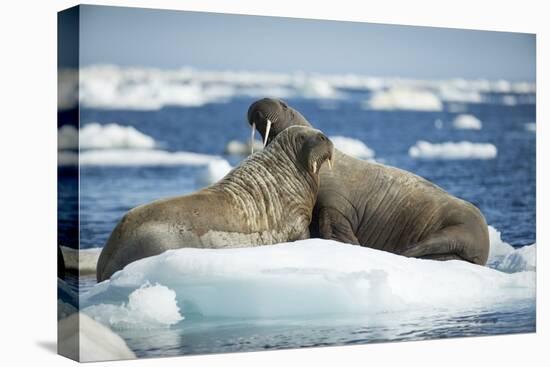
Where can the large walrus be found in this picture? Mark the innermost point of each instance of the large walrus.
(382, 207)
(267, 199)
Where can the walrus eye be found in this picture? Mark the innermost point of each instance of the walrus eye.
(283, 104)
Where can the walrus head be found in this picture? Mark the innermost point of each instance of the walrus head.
(271, 116)
(310, 146)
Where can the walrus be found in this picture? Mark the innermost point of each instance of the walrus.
(267, 199)
(382, 207)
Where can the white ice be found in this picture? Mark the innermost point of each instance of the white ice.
(452, 150)
(306, 278)
(148, 307)
(143, 157)
(109, 86)
(467, 122)
(353, 147)
(404, 99)
(108, 136)
(236, 147)
(213, 172)
(531, 126)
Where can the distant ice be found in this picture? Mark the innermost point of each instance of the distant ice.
(83, 339)
(467, 122)
(109, 86)
(97, 136)
(236, 147)
(450, 93)
(509, 100)
(531, 126)
(113, 136)
(214, 171)
(451, 150)
(352, 147)
(305, 278)
(404, 99)
(143, 157)
(319, 89)
(117, 145)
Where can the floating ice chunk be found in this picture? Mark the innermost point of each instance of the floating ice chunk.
(214, 171)
(317, 88)
(113, 136)
(148, 307)
(531, 126)
(522, 259)
(85, 340)
(451, 150)
(467, 122)
(235, 147)
(97, 136)
(143, 157)
(399, 98)
(504, 257)
(449, 93)
(353, 147)
(309, 278)
(509, 100)
(83, 260)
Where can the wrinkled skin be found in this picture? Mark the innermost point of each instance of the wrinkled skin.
(382, 207)
(267, 199)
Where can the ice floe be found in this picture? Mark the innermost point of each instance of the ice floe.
(531, 126)
(143, 157)
(353, 147)
(213, 172)
(452, 150)
(404, 99)
(305, 278)
(103, 136)
(114, 87)
(467, 122)
(236, 147)
(506, 258)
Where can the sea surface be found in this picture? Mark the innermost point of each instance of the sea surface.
(503, 188)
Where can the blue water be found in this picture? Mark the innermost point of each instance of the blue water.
(503, 188)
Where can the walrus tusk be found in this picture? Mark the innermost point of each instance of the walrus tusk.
(268, 127)
(315, 167)
(329, 161)
(252, 138)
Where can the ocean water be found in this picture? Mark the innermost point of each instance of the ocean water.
(503, 188)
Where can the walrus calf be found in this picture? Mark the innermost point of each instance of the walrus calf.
(383, 207)
(267, 199)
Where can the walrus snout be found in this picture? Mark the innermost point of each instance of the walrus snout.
(270, 117)
(317, 149)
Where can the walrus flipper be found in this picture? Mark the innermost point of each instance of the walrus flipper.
(334, 226)
(447, 244)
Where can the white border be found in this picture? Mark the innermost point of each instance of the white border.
(28, 147)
